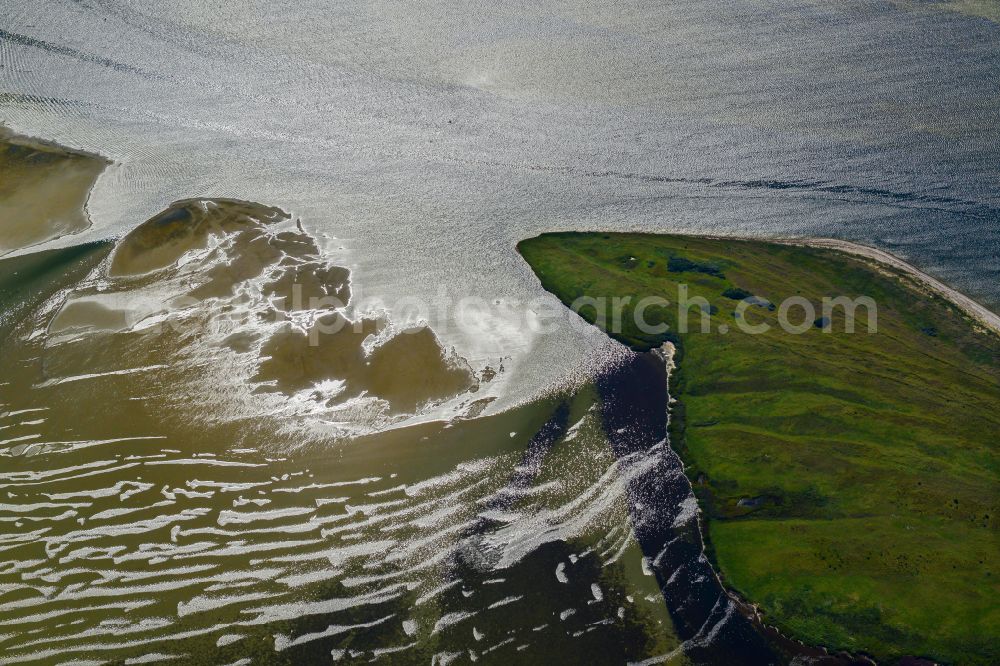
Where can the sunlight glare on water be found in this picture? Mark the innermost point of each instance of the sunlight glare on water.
(176, 484)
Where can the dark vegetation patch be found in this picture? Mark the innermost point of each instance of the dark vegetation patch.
(736, 294)
(678, 264)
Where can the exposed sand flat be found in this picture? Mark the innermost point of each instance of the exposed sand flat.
(43, 190)
(185, 226)
(236, 284)
(980, 313)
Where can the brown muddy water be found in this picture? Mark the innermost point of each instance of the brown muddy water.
(184, 476)
(185, 479)
(207, 460)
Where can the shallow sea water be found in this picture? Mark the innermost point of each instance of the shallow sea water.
(150, 494)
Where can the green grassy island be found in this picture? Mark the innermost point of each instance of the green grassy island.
(848, 482)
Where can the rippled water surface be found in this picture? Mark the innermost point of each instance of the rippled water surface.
(149, 499)
(176, 483)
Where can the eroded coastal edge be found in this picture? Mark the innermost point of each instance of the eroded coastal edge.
(846, 482)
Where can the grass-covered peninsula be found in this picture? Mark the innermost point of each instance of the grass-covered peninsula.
(849, 482)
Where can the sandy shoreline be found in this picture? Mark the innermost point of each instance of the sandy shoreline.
(975, 310)
(978, 312)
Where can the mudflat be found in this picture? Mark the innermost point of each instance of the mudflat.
(43, 190)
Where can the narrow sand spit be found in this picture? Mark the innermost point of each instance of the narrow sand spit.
(979, 312)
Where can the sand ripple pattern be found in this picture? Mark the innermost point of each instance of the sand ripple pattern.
(180, 485)
(119, 549)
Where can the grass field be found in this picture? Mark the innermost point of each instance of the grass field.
(849, 482)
